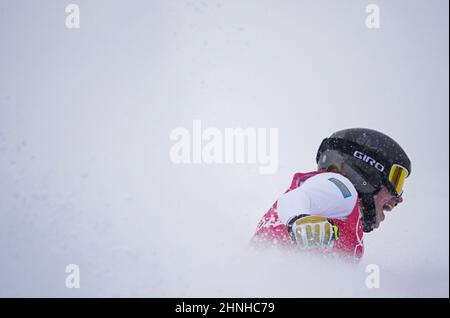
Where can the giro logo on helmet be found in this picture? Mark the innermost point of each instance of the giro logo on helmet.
(369, 160)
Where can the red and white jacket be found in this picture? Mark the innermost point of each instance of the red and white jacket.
(319, 193)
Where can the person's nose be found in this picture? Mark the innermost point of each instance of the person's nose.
(398, 200)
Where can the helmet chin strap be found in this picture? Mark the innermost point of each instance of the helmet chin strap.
(369, 211)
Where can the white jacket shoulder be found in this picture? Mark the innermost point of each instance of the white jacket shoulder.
(326, 194)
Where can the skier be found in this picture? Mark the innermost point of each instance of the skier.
(361, 173)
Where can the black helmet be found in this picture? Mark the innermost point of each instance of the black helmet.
(370, 160)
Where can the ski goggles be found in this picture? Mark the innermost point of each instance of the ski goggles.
(397, 176)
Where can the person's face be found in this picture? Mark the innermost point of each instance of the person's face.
(384, 201)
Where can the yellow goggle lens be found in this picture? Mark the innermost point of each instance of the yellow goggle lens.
(397, 177)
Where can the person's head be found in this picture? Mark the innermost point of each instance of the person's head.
(375, 164)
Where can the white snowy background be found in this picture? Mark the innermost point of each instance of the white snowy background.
(85, 119)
